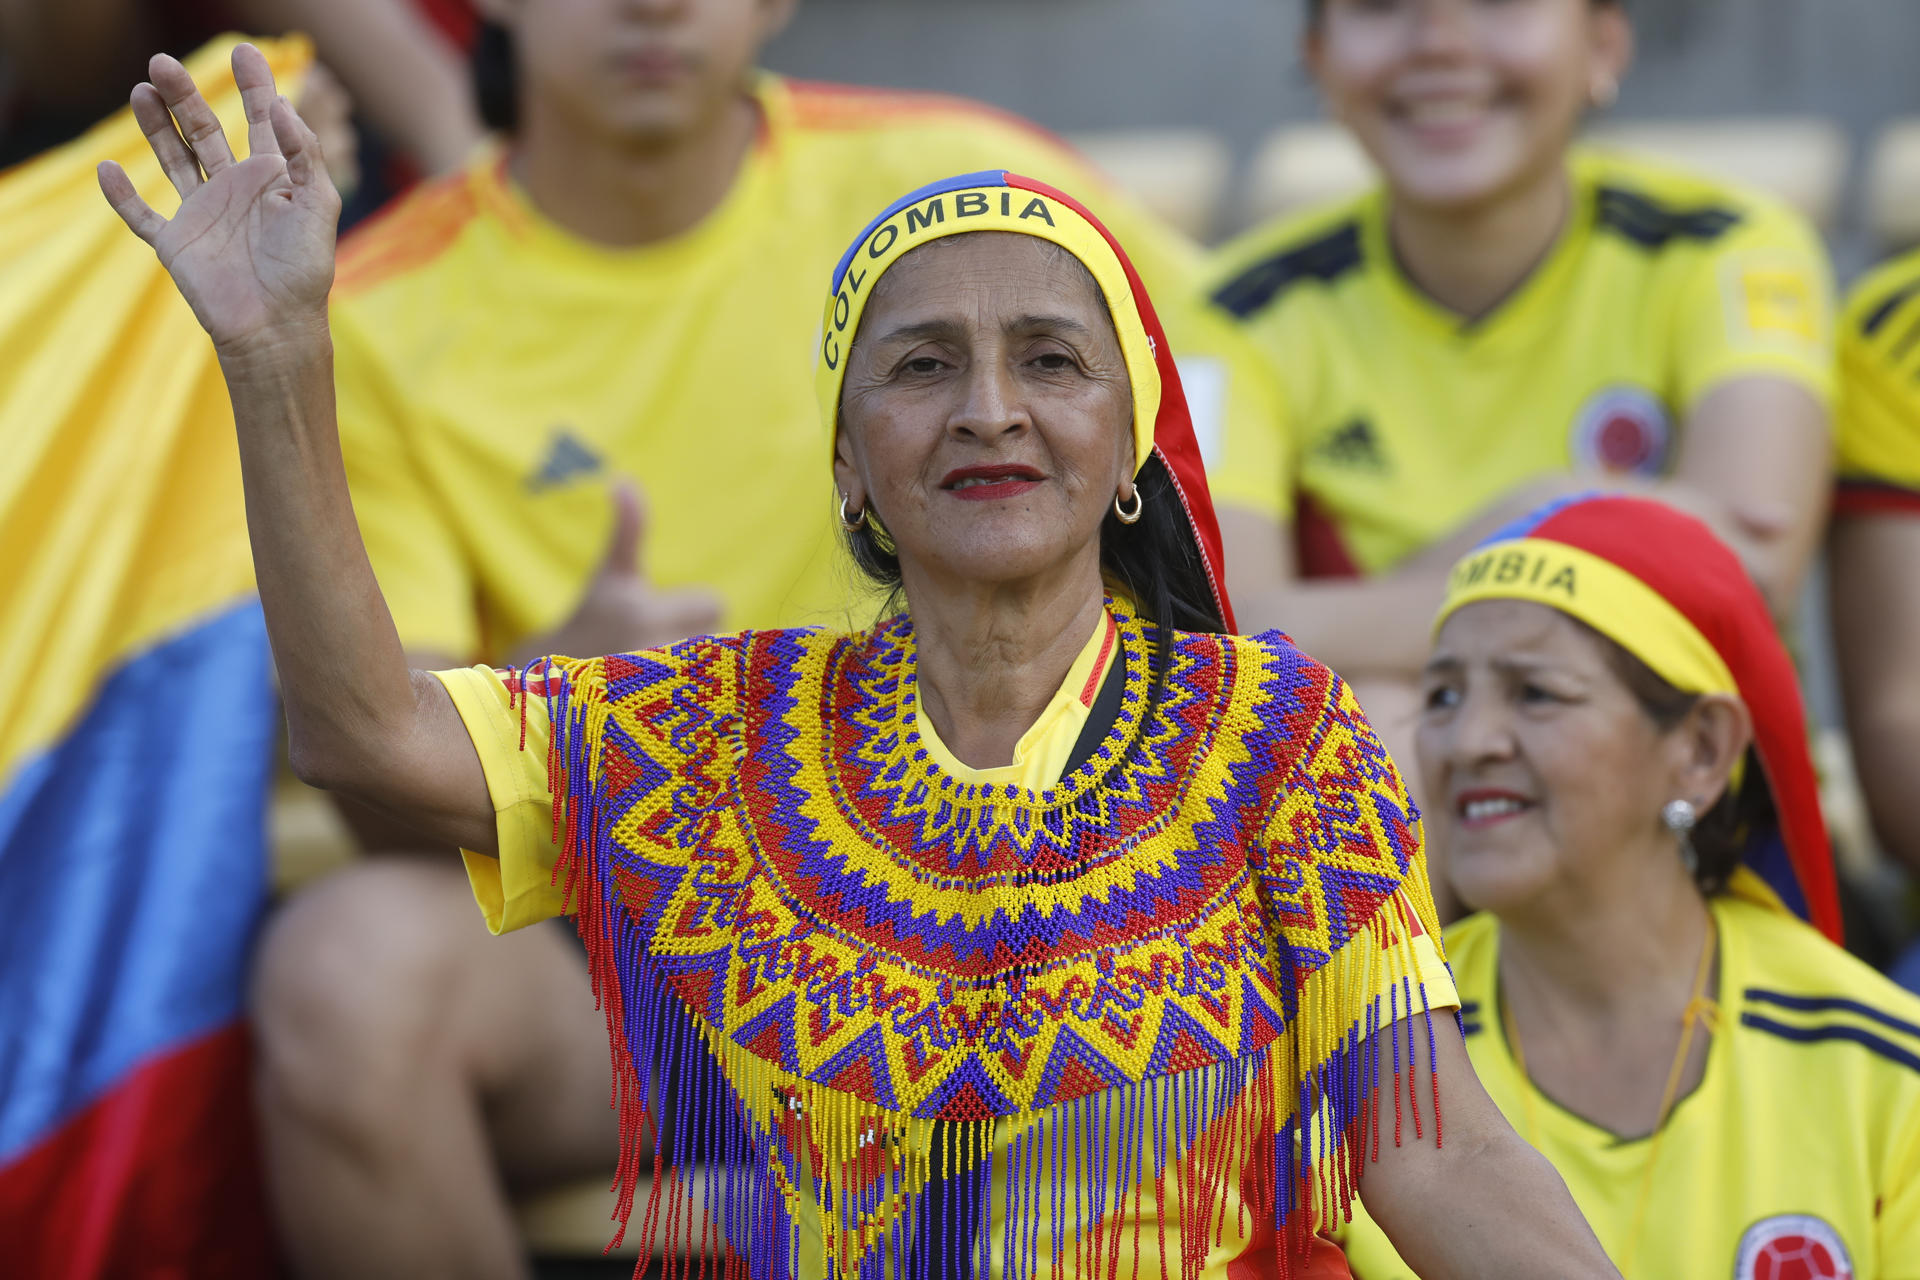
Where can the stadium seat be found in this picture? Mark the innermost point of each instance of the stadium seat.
(1893, 185)
(1179, 174)
(1799, 159)
(1302, 165)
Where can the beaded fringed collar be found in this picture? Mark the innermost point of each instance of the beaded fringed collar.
(1157, 981)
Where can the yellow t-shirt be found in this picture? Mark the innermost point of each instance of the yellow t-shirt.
(1877, 423)
(1801, 1141)
(515, 889)
(1040, 757)
(496, 372)
(1400, 421)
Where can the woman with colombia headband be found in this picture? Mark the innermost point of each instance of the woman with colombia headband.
(1123, 918)
(1613, 743)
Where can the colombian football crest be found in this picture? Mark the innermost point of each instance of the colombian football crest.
(1792, 1246)
(1621, 429)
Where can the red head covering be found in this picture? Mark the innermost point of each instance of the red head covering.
(1695, 617)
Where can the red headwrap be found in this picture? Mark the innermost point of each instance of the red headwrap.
(1659, 583)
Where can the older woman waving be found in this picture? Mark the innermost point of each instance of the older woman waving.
(1042, 899)
(1614, 742)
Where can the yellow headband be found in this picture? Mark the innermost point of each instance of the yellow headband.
(1598, 593)
(985, 202)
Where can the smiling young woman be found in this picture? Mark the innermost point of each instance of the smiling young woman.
(1022, 932)
(1509, 316)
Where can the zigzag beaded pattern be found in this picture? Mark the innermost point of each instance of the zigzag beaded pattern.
(808, 882)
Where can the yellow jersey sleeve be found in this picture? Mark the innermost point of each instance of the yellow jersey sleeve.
(1758, 304)
(1877, 425)
(426, 577)
(511, 734)
(1427, 984)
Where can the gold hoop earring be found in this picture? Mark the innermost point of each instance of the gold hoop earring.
(1125, 516)
(851, 526)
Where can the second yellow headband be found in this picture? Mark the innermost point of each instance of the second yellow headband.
(1599, 593)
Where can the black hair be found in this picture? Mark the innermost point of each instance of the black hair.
(496, 84)
(1722, 835)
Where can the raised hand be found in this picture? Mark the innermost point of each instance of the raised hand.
(621, 611)
(251, 246)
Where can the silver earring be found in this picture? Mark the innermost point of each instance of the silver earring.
(1679, 817)
(1126, 516)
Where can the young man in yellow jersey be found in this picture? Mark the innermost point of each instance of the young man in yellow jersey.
(1874, 548)
(626, 291)
(1502, 321)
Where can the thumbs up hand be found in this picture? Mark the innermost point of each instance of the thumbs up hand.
(621, 611)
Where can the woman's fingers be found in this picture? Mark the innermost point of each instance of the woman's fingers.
(297, 143)
(135, 212)
(176, 160)
(198, 125)
(257, 93)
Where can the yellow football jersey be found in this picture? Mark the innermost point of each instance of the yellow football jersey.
(1796, 1158)
(1877, 423)
(1400, 420)
(497, 373)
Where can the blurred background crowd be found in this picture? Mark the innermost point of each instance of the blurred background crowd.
(582, 257)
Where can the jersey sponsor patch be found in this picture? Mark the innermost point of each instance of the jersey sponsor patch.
(1774, 300)
(1792, 1246)
(1622, 429)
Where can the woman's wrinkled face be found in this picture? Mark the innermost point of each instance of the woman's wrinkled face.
(1462, 101)
(1542, 770)
(987, 418)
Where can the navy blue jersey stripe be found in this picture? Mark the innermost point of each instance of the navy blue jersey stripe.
(1880, 314)
(1828, 1004)
(1325, 260)
(1815, 1035)
(1652, 225)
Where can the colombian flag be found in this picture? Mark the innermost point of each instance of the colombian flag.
(137, 741)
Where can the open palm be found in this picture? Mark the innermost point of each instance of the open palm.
(251, 246)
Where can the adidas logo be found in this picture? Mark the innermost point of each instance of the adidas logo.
(1355, 445)
(567, 459)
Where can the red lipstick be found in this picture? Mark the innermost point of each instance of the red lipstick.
(991, 482)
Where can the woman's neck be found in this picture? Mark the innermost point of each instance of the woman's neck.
(991, 658)
(1471, 260)
(621, 194)
(1599, 953)
(1595, 986)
